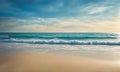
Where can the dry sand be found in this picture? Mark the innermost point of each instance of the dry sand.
(53, 63)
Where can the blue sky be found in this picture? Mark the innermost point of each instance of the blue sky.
(59, 15)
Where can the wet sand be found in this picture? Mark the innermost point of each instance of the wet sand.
(33, 62)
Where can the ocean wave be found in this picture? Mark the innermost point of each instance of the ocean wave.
(59, 41)
(64, 36)
(4, 37)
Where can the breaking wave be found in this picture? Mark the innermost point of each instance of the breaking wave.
(59, 41)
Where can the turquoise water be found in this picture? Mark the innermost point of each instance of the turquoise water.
(104, 45)
(62, 38)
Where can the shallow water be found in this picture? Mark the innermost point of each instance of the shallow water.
(94, 51)
(96, 45)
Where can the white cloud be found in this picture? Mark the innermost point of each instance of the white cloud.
(97, 8)
(37, 24)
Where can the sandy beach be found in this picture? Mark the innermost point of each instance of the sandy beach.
(33, 62)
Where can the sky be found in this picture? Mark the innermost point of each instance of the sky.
(59, 15)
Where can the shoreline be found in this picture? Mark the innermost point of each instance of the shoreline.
(36, 62)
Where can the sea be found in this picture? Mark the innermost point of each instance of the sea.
(83, 43)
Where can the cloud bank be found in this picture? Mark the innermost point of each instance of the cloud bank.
(59, 16)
